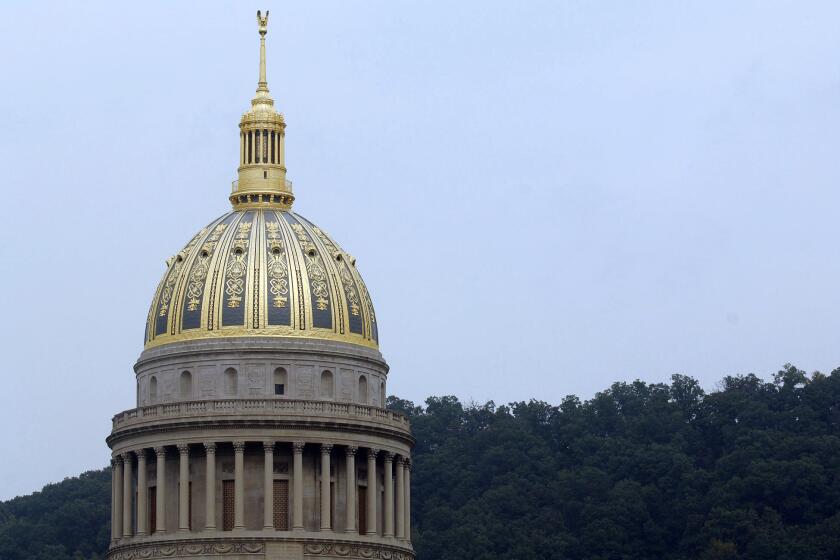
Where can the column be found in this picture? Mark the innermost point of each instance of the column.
(350, 453)
(210, 489)
(326, 523)
(282, 155)
(387, 464)
(297, 487)
(142, 494)
(160, 490)
(117, 477)
(400, 495)
(371, 491)
(407, 466)
(184, 489)
(113, 498)
(239, 485)
(126, 501)
(268, 509)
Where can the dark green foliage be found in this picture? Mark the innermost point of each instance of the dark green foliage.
(70, 520)
(640, 471)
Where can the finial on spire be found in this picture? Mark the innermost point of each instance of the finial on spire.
(262, 22)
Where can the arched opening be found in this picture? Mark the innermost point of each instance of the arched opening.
(382, 394)
(363, 391)
(279, 381)
(327, 384)
(153, 390)
(186, 385)
(231, 382)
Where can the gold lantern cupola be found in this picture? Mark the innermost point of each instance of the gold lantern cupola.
(262, 179)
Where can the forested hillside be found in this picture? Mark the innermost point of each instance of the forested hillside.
(640, 471)
(67, 520)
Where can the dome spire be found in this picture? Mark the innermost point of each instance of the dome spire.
(262, 85)
(262, 162)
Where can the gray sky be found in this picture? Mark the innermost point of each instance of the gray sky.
(543, 197)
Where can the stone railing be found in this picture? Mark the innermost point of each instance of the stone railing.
(259, 407)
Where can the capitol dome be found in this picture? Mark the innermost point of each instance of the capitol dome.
(260, 428)
(261, 270)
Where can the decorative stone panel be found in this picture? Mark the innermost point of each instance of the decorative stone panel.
(186, 550)
(352, 550)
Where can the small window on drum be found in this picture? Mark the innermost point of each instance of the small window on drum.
(279, 381)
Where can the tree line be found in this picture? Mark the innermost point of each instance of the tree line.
(639, 471)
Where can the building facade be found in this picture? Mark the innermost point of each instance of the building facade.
(260, 428)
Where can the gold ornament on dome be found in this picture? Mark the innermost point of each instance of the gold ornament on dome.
(195, 288)
(278, 271)
(346, 278)
(237, 267)
(167, 291)
(317, 274)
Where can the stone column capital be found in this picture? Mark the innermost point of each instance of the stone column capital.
(160, 451)
(210, 447)
(183, 449)
(268, 446)
(239, 446)
(126, 457)
(117, 460)
(326, 448)
(372, 452)
(298, 446)
(351, 450)
(387, 456)
(141, 454)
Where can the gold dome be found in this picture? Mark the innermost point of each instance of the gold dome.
(261, 272)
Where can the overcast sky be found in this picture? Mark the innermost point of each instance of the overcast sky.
(543, 197)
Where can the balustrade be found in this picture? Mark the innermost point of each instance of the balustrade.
(274, 407)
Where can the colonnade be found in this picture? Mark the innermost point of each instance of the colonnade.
(261, 146)
(396, 516)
